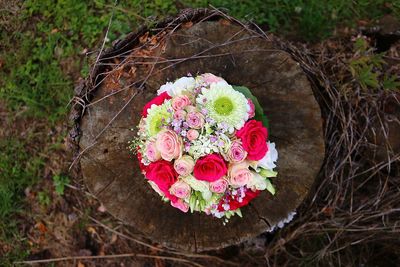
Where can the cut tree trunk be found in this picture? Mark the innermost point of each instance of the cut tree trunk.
(129, 74)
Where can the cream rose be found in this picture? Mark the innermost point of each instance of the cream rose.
(169, 144)
(219, 186)
(192, 134)
(239, 174)
(184, 166)
(180, 189)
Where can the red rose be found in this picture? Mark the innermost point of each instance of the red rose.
(235, 204)
(254, 139)
(163, 174)
(210, 168)
(158, 100)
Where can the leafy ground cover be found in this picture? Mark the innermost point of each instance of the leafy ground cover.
(45, 46)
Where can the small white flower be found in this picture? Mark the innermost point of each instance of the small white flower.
(225, 206)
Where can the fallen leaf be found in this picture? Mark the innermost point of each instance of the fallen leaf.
(187, 25)
(143, 38)
(80, 264)
(225, 22)
(41, 227)
(101, 208)
(91, 230)
(327, 211)
(114, 238)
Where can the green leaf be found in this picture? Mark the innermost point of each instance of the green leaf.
(239, 213)
(60, 182)
(391, 83)
(268, 173)
(259, 112)
(192, 202)
(270, 187)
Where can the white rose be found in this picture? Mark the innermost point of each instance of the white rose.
(268, 161)
(182, 84)
(197, 185)
(166, 88)
(257, 182)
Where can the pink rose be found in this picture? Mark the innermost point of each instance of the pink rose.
(254, 139)
(151, 152)
(195, 120)
(239, 174)
(180, 115)
(192, 134)
(180, 204)
(252, 111)
(184, 165)
(180, 189)
(236, 152)
(180, 102)
(210, 168)
(211, 78)
(219, 186)
(169, 144)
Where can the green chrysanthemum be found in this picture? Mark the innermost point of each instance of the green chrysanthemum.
(157, 116)
(224, 104)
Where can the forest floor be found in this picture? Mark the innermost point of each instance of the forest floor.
(46, 47)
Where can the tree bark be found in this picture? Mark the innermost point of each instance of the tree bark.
(128, 77)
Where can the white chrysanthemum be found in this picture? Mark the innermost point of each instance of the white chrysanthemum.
(224, 104)
(157, 116)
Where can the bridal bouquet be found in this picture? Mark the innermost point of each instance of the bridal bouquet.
(203, 145)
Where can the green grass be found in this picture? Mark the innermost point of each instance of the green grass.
(309, 20)
(18, 170)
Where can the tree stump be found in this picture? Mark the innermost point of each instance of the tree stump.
(129, 74)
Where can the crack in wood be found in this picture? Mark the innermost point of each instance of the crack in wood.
(265, 220)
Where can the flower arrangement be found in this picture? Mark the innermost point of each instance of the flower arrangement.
(203, 145)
